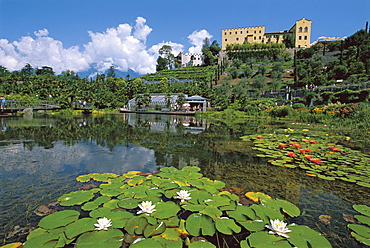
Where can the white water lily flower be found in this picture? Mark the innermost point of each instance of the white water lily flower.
(183, 195)
(278, 227)
(146, 207)
(103, 224)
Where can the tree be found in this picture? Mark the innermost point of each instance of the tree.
(45, 70)
(210, 51)
(111, 72)
(27, 70)
(161, 64)
(166, 53)
(259, 82)
(288, 41)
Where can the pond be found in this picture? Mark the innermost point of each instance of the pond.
(42, 156)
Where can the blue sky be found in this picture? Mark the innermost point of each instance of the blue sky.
(83, 34)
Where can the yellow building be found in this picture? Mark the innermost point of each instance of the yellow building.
(300, 32)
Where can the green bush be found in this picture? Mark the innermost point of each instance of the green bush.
(281, 111)
(298, 105)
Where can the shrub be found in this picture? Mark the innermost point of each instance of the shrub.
(281, 111)
(298, 105)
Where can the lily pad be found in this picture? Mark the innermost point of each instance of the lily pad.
(198, 224)
(59, 219)
(227, 226)
(75, 198)
(100, 239)
(256, 196)
(202, 244)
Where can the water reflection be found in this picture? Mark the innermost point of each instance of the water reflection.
(42, 156)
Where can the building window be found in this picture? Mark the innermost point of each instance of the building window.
(241, 32)
(300, 29)
(230, 32)
(225, 33)
(260, 31)
(236, 32)
(247, 31)
(237, 38)
(225, 39)
(255, 31)
(305, 37)
(299, 37)
(255, 37)
(260, 37)
(306, 29)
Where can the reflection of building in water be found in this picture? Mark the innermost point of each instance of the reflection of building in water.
(168, 123)
(167, 102)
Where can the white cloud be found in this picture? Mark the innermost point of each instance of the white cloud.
(40, 33)
(196, 39)
(123, 46)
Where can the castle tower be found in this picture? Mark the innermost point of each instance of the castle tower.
(301, 32)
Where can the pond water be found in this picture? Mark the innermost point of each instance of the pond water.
(42, 156)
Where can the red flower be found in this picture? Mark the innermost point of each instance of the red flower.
(313, 141)
(331, 147)
(336, 149)
(281, 145)
(305, 141)
(315, 160)
(292, 143)
(308, 150)
(259, 137)
(291, 154)
(302, 150)
(307, 156)
(297, 146)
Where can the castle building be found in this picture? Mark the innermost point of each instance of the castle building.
(190, 59)
(300, 32)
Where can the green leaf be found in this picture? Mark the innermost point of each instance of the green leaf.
(301, 235)
(361, 239)
(212, 212)
(145, 243)
(111, 192)
(168, 243)
(136, 180)
(201, 244)
(136, 225)
(75, 198)
(80, 226)
(58, 219)
(88, 206)
(227, 226)
(128, 203)
(197, 224)
(218, 201)
(363, 219)
(171, 234)
(112, 238)
(100, 212)
(112, 185)
(360, 230)
(151, 230)
(112, 204)
(165, 210)
(363, 209)
(194, 208)
(191, 168)
(287, 207)
(262, 239)
(242, 213)
(252, 226)
(49, 240)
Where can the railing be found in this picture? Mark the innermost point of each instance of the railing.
(36, 105)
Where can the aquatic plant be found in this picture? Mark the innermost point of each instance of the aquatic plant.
(361, 232)
(317, 153)
(174, 208)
